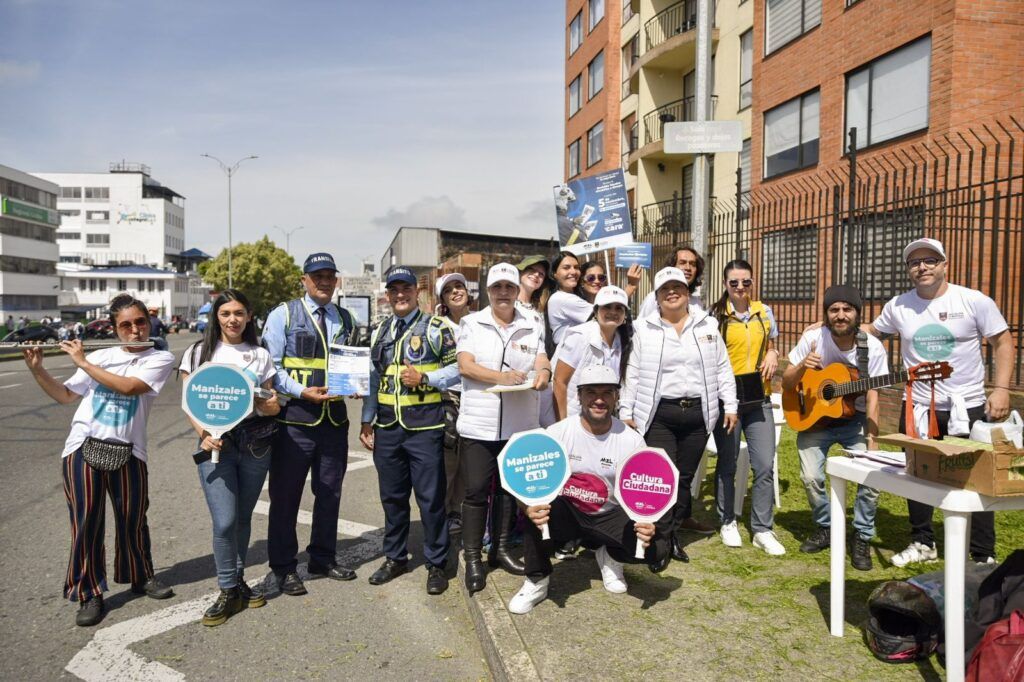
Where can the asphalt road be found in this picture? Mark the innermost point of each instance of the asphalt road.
(351, 630)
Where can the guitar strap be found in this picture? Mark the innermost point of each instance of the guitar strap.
(908, 407)
(862, 355)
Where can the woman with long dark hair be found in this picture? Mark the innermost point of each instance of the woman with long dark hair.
(453, 305)
(233, 485)
(105, 454)
(605, 339)
(564, 307)
(749, 329)
(592, 279)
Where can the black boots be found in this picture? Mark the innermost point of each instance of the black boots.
(228, 604)
(473, 521)
(503, 514)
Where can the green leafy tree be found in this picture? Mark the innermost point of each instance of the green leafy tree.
(261, 270)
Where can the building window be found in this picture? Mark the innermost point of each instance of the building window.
(97, 216)
(97, 193)
(746, 69)
(27, 266)
(97, 239)
(791, 135)
(745, 166)
(69, 235)
(595, 13)
(595, 144)
(575, 33)
(575, 102)
(70, 212)
(574, 159)
(22, 228)
(787, 20)
(595, 76)
(160, 285)
(122, 285)
(70, 192)
(789, 270)
(103, 285)
(889, 97)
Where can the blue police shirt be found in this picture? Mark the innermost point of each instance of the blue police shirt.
(274, 339)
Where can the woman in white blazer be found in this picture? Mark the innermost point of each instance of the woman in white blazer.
(497, 346)
(677, 374)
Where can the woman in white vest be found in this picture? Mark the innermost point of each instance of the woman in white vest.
(605, 339)
(498, 346)
(533, 278)
(678, 372)
(453, 305)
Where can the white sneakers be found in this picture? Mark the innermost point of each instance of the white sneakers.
(731, 535)
(767, 541)
(611, 572)
(529, 595)
(915, 553)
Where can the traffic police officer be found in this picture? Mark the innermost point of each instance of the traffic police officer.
(314, 426)
(413, 362)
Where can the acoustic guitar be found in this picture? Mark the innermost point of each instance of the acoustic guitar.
(830, 392)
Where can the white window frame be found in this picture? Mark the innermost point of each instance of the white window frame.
(747, 79)
(591, 21)
(801, 162)
(808, 20)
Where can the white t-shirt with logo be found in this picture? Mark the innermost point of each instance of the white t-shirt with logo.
(593, 460)
(108, 415)
(566, 310)
(254, 361)
(878, 363)
(947, 328)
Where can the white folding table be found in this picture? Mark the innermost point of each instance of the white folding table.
(956, 505)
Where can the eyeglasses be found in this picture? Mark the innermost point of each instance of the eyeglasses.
(930, 262)
(127, 326)
(590, 279)
(734, 283)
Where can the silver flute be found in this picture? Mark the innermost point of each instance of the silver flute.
(89, 345)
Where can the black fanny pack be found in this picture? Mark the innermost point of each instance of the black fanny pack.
(750, 390)
(254, 437)
(106, 455)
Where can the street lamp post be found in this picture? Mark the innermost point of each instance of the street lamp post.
(288, 236)
(229, 171)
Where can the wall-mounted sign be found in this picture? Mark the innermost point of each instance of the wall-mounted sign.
(708, 137)
(19, 209)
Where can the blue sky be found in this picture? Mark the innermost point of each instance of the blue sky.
(365, 115)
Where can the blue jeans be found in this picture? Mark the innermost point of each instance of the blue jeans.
(232, 487)
(759, 427)
(813, 446)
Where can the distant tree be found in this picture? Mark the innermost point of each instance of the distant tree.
(264, 272)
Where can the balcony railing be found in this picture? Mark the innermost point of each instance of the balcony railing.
(671, 216)
(631, 144)
(680, 110)
(679, 18)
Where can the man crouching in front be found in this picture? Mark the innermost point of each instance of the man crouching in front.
(586, 508)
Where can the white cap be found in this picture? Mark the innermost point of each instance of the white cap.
(450, 277)
(924, 243)
(666, 275)
(502, 272)
(598, 375)
(611, 294)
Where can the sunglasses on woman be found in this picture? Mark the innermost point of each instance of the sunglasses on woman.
(736, 282)
(591, 279)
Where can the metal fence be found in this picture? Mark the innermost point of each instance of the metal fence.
(849, 224)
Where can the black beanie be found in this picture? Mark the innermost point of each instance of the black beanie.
(844, 293)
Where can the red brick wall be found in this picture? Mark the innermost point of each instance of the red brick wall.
(605, 105)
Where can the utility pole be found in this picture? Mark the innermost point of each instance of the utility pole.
(229, 171)
(702, 112)
(288, 236)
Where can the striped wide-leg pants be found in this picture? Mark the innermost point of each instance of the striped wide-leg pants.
(86, 489)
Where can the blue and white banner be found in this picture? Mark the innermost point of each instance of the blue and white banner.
(593, 213)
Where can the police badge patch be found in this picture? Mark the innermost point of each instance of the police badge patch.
(415, 350)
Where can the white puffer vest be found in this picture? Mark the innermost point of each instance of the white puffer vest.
(643, 390)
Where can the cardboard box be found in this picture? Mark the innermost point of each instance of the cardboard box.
(996, 470)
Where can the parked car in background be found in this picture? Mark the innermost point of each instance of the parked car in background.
(41, 333)
(99, 329)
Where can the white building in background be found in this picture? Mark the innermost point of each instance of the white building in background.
(28, 248)
(120, 217)
(172, 293)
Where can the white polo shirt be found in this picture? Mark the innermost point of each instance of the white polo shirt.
(682, 367)
(584, 345)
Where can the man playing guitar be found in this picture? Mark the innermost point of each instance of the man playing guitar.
(836, 342)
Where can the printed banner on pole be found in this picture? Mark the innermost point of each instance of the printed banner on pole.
(646, 485)
(593, 213)
(217, 397)
(533, 467)
(639, 253)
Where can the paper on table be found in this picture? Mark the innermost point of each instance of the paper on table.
(525, 386)
(348, 371)
(898, 458)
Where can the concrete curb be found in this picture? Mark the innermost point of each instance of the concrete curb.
(503, 646)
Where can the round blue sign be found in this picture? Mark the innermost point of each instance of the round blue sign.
(533, 467)
(217, 396)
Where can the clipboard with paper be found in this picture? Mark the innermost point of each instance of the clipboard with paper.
(348, 370)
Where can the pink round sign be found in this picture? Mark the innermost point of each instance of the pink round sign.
(645, 484)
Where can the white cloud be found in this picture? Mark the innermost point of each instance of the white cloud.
(13, 72)
(438, 211)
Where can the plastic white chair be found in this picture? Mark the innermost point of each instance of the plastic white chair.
(743, 462)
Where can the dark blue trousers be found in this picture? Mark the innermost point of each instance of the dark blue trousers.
(412, 462)
(298, 451)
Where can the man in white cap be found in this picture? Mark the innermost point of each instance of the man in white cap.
(587, 509)
(939, 321)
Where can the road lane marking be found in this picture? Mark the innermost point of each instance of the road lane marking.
(10, 386)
